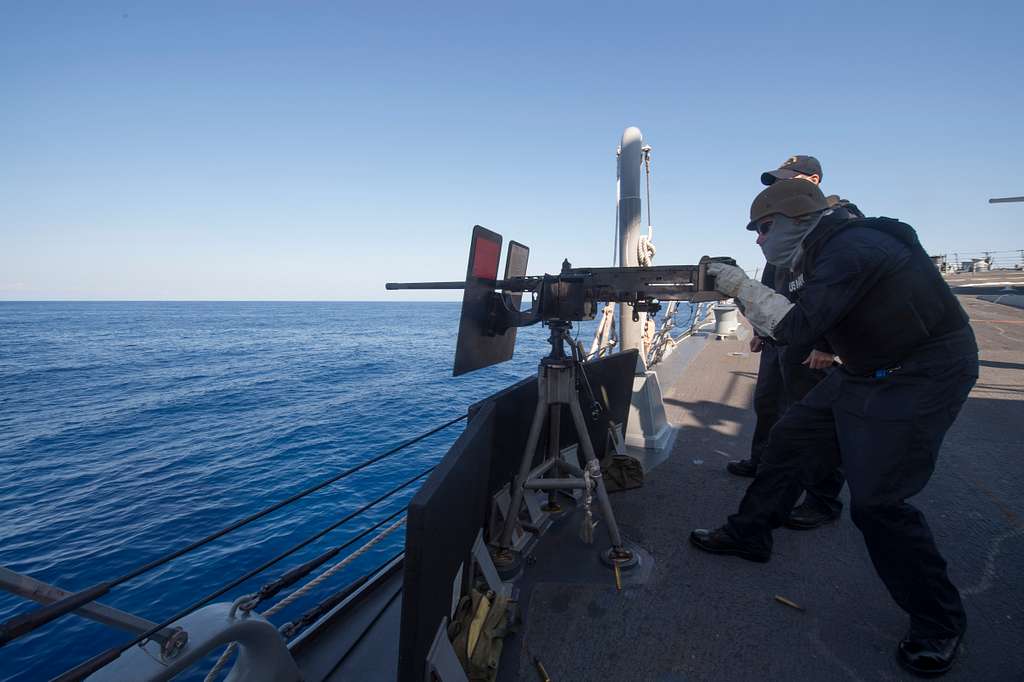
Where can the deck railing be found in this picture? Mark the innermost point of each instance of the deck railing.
(189, 635)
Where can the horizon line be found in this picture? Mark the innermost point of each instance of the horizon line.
(220, 300)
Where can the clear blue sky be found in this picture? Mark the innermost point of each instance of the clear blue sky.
(315, 150)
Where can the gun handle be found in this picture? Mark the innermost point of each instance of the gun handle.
(706, 282)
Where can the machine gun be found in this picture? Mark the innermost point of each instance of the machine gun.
(490, 306)
(490, 316)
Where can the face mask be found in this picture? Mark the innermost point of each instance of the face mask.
(781, 246)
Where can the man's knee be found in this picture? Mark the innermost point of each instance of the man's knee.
(802, 427)
(882, 516)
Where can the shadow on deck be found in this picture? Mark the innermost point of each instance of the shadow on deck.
(702, 617)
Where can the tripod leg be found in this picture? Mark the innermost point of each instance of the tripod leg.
(554, 429)
(591, 462)
(524, 466)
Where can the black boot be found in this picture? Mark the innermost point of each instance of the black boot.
(928, 657)
(808, 516)
(719, 541)
(742, 467)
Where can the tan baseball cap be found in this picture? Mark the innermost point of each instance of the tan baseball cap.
(791, 198)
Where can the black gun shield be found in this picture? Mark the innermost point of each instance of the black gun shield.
(477, 348)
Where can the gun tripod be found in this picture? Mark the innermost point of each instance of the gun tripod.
(557, 376)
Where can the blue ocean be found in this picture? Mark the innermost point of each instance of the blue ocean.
(130, 429)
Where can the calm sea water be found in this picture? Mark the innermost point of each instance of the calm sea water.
(130, 429)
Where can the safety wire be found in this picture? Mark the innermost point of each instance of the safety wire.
(645, 244)
(25, 623)
(81, 671)
(248, 603)
(647, 174)
(87, 667)
(311, 615)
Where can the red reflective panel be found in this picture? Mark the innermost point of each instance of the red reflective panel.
(485, 258)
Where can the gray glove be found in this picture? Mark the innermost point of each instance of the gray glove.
(762, 306)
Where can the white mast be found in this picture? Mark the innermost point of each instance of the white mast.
(630, 159)
(648, 427)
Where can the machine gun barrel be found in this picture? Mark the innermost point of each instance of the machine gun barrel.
(394, 286)
(512, 284)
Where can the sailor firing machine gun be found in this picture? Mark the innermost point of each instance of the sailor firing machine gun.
(487, 329)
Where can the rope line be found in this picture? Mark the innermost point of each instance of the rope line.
(271, 589)
(645, 245)
(302, 591)
(80, 671)
(311, 615)
(25, 623)
(647, 167)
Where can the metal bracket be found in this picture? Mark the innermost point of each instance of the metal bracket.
(500, 504)
(263, 655)
(442, 663)
(482, 558)
(615, 436)
(539, 519)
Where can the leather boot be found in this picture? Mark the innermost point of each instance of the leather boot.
(720, 541)
(808, 516)
(928, 657)
(742, 467)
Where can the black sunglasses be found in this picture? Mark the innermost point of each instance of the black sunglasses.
(764, 227)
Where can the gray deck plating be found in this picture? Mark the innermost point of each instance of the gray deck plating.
(702, 617)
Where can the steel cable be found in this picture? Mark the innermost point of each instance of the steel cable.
(303, 591)
(290, 629)
(85, 668)
(25, 623)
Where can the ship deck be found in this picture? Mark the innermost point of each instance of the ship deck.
(693, 616)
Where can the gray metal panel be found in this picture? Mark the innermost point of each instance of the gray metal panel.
(444, 519)
(515, 266)
(374, 658)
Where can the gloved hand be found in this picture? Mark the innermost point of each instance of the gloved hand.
(761, 305)
(728, 278)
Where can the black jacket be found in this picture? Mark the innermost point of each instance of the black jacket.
(870, 289)
(783, 282)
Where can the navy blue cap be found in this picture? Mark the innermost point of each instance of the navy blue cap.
(793, 166)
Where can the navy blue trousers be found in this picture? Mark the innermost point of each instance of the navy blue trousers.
(886, 433)
(782, 381)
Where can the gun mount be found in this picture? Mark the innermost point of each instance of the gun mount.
(491, 306)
